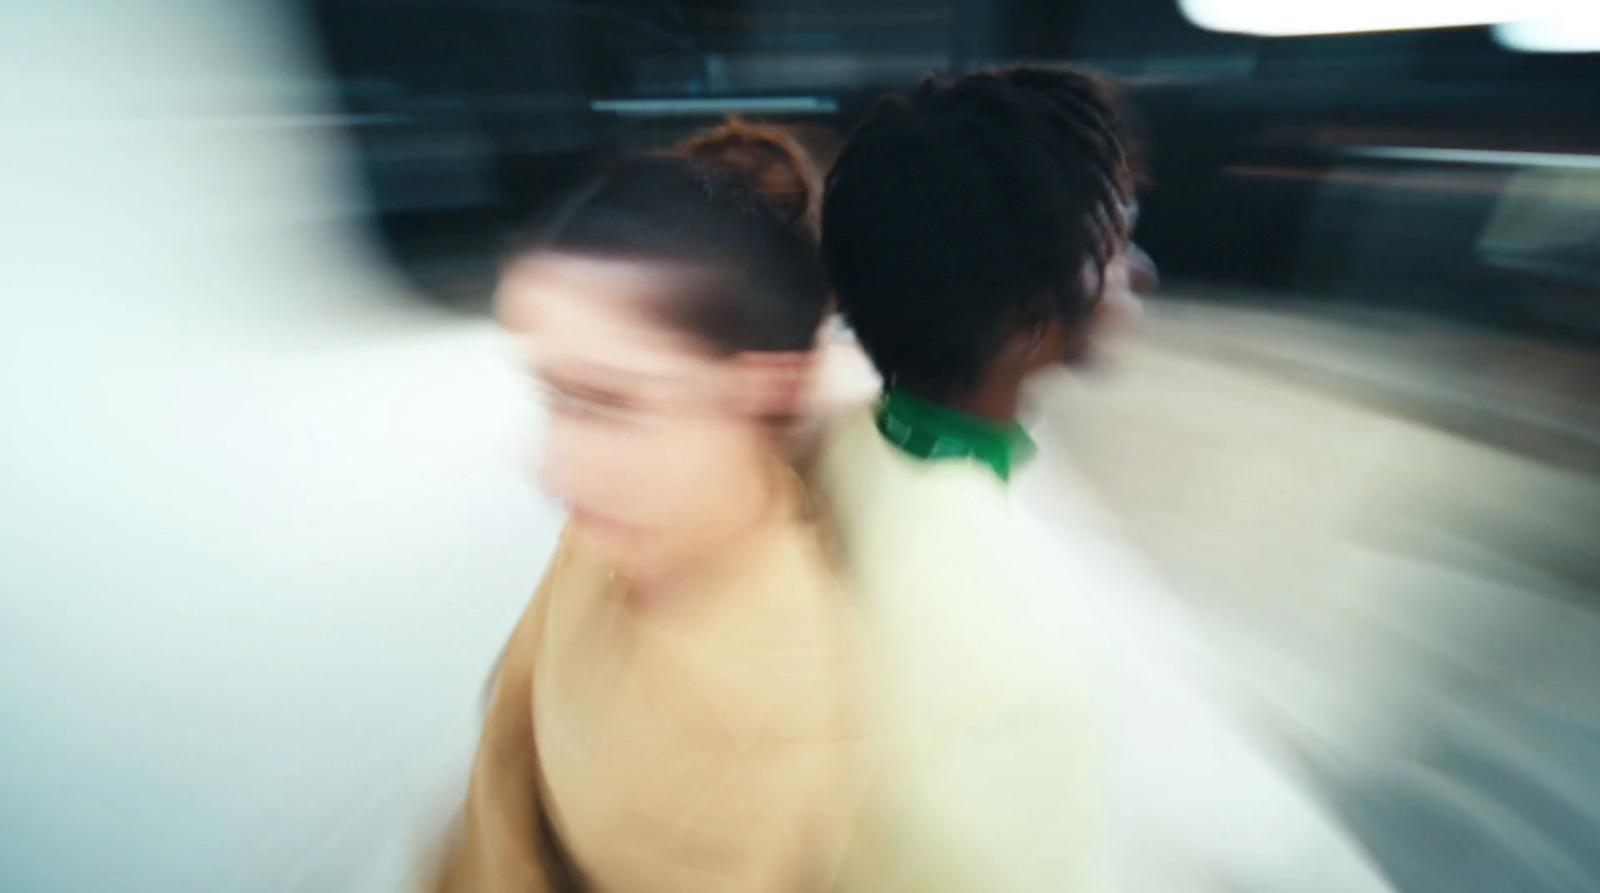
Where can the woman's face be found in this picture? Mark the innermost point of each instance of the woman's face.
(653, 443)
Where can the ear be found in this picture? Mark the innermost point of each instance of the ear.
(1130, 275)
(1119, 306)
(774, 384)
(513, 306)
(1037, 344)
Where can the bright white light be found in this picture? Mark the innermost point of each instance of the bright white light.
(1283, 18)
(1575, 33)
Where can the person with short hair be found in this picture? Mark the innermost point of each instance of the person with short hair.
(970, 228)
(1045, 729)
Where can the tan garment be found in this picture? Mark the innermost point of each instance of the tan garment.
(699, 743)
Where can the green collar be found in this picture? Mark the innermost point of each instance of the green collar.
(930, 431)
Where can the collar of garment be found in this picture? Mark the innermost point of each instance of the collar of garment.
(929, 431)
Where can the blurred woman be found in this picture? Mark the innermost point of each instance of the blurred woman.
(672, 710)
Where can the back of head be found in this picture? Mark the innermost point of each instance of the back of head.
(970, 206)
(773, 161)
(728, 207)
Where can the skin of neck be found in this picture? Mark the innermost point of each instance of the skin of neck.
(751, 503)
(997, 395)
(994, 399)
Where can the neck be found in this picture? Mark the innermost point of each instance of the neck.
(754, 505)
(994, 400)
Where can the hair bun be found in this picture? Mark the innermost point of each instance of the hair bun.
(772, 160)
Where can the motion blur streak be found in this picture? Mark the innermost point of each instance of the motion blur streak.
(264, 517)
(244, 487)
(1401, 589)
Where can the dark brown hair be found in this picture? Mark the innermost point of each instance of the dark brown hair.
(733, 206)
(773, 161)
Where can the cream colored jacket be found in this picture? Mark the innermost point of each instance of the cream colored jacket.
(981, 684)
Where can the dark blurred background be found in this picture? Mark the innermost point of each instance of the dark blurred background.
(1360, 433)
(266, 520)
(1432, 170)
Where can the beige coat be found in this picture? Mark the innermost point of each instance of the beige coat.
(699, 744)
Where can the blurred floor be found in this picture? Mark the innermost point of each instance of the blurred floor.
(1388, 528)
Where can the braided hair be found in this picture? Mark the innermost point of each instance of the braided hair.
(971, 206)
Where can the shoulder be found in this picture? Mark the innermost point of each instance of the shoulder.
(889, 510)
(957, 589)
(779, 666)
